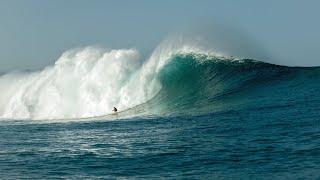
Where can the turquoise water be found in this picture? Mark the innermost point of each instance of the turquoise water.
(212, 118)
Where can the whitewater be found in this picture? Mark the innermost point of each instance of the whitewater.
(83, 82)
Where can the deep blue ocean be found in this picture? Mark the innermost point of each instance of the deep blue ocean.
(212, 119)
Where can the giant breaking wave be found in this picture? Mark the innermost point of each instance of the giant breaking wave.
(89, 82)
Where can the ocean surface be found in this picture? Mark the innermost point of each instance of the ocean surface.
(183, 114)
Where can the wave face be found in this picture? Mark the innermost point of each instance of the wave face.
(89, 82)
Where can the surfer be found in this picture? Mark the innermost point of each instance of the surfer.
(115, 109)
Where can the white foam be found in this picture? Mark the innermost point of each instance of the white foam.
(83, 82)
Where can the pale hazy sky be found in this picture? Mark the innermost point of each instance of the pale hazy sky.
(34, 33)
